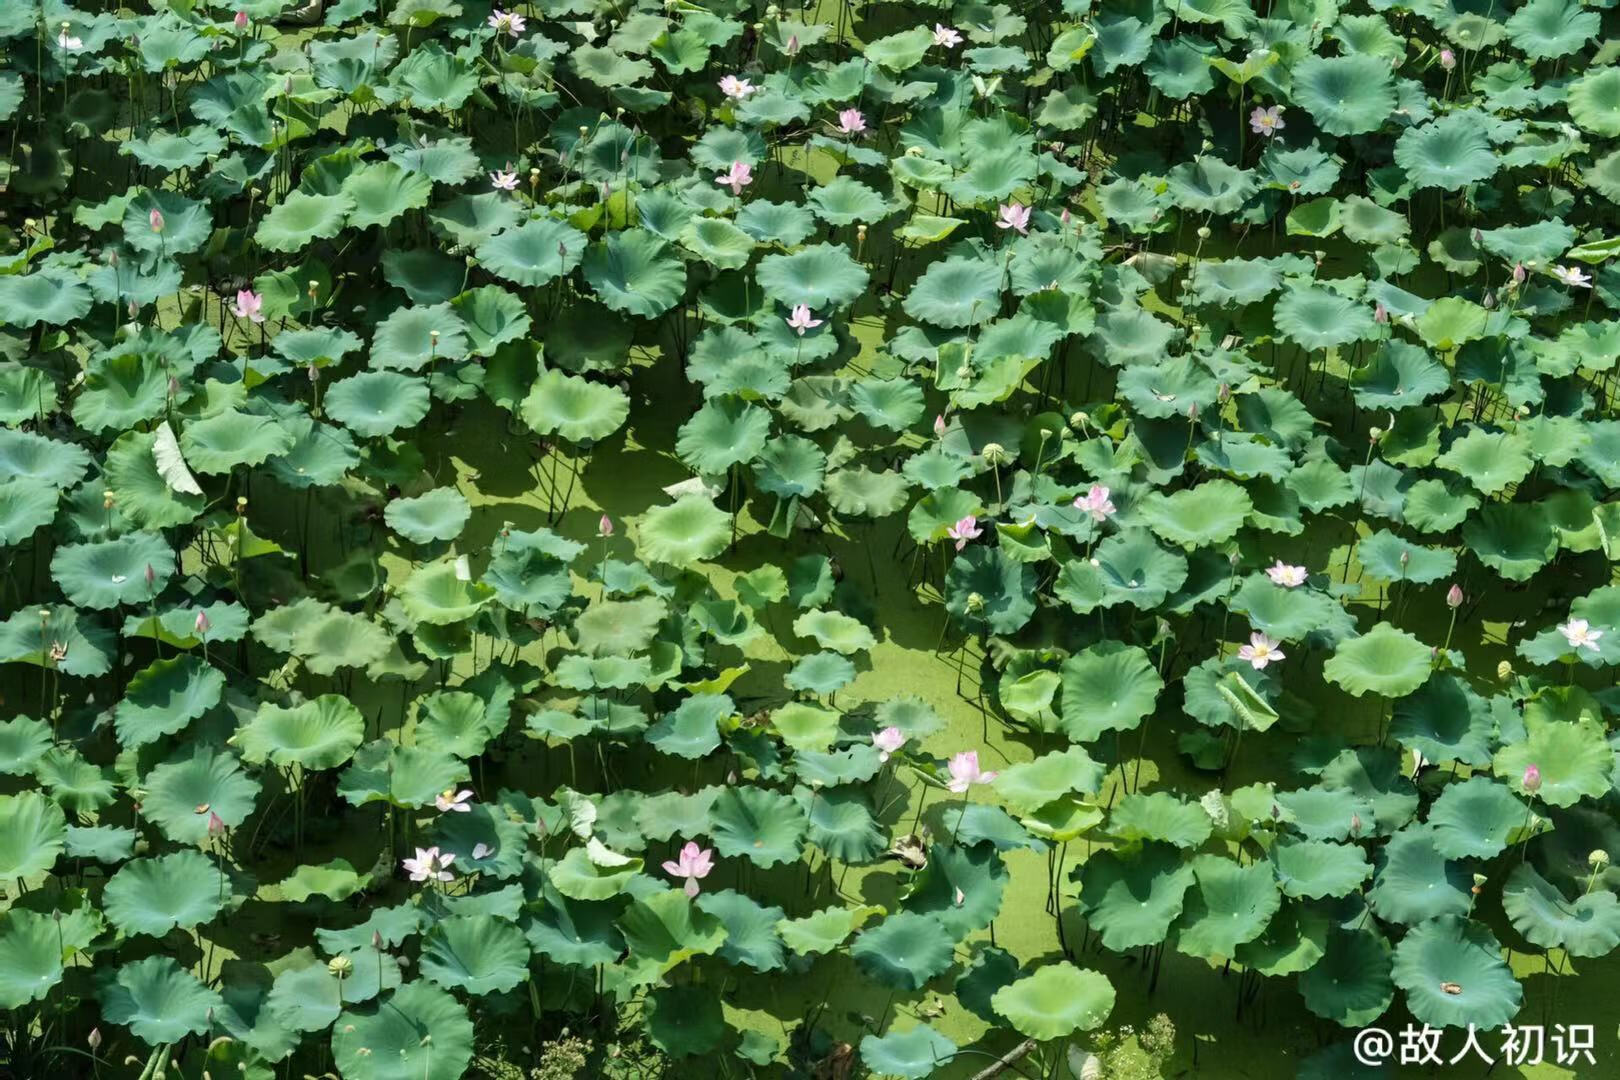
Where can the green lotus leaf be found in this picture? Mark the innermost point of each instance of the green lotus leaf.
(820, 673)
(1345, 95)
(435, 515)
(1477, 819)
(1397, 376)
(1004, 588)
(1547, 29)
(758, 824)
(1351, 984)
(634, 272)
(751, 937)
(492, 316)
(1291, 614)
(691, 730)
(302, 218)
(1589, 925)
(376, 403)
(1028, 786)
(956, 292)
(1415, 882)
(1317, 318)
(1452, 971)
(1208, 185)
(1294, 941)
(903, 951)
(575, 408)
(1491, 461)
(1131, 901)
(231, 438)
(1449, 153)
(479, 954)
(456, 723)
(689, 530)
(1445, 721)
(1210, 513)
(1383, 661)
(438, 594)
(178, 789)
(381, 191)
(685, 1021)
(900, 51)
(1228, 905)
(34, 946)
(322, 733)
(1594, 102)
(836, 631)
(413, 337)
(32, 833)
(1317, 868)
(718, 242)
(960, 887)
(1109, 686)
(1056, 1001)
(158, 1000)
(1514, 539)
(1160, 816)
(1387, 557)
(310, 998)
(578, 877)
(533, 253)
(723, 433)
(824, 930)
(405, 776)
(820, 276)
(1125, 568)
(164, 697)
(910, 1055)
(153, 896)
(25, 505)
(1572, 756)
(108, 573)
(26, 456)
(665, 929)
(22, 742)
(418, 1032)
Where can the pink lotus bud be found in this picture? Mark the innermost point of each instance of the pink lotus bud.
(792, 48)
(200, 625)
(216, 825)
(1448, 59)
(155, 219)
(376, 940)
(151, 576)
(241, 20)
(1454, 597)
(1380, 313)
(1518, 273)
(604, 528)
(1064, 217)
(939, 425)
(1531, 781)
(1355, 824)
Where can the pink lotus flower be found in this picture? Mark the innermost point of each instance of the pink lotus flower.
(1261, 650)
(800, 319)
(946, 36)
(241, 20)
(200, 625)
(1573, 276)
(939, 426)
(1380, 313)
(1287, 576)
(1531, 780)
(737, 89)
(1266, 122)
(155, 219)
(792, 46)
(451, 801)
(965, 772)
(1097, 503)
(851, 122)
(249, 305)
(736, 178)
(1454, 597)
(429, 865)
(694, 864)
(504, 180)
(1580, 635)
(216, 825)
(1013, 216)
(888, 741)
(508, 22)
(604, 528)
(1448, 59)
(965, 530)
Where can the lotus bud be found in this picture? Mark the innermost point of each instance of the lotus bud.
(1448, 59)
(939, 425)
(1406, 557)
(1355, 824)
(1223, 394)
(1063, 218)
(1380, 313)
(151, 576)
(1518, 273)
(155, 219)
(604, 528)
(376, 940)
(1531, 780)
(241, 20)
(792, 48)
(174, 386)
(313, 373)
(1203, 232)
(1192, 412)
(216, 825)
(1454, 597)
(93, 1040)
(340, 966)
(975, 603)
(200, 625)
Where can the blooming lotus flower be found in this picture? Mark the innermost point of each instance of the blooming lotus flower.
(482, 850)
(1013, 216)
(1266, 122)
(249, 305)
(736, 178)
(509, 22)
(503, 180)
(604, 528)
(1454, 597)
(965, 771)
(1531, 780)
(737, 89)
(964, 530)
(155, 219)
(694, 864)
(1287, 576)
(1580, 635)
(1261, 650)
(1097, 503)
(851, 122)
(946, 36)
(1573, 276)
(429, 865)
(451, 801)
(888, 741)
(801, 321)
